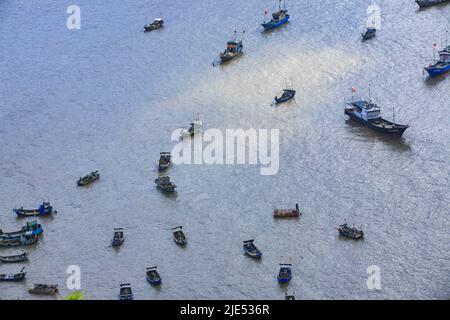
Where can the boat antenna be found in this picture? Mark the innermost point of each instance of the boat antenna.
(370, 99)
(279, 5)
(292, 84)
(243, 32)
(393, 114)
(235, 32)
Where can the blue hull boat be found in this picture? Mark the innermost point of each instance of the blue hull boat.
(285, 274)
(438, 68)
(44, 209)
(153, 276)
(32, 228)
(275, 24)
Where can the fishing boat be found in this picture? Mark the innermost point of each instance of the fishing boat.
(350, 232)
(164, 161)
(234, 48)
(88, 179)
(118, 237)
(287, 213)
(13, 277)
(429, 3)
(370, 33)
(287, 95)
(153, 276)
(251, 250)
(444, 55)
(156, 24)
(125, 292)
(163, 183)
(21, 240)
(369, 114)
(195, 127)
(289, 297)
(178, 236)
(44, 209)
(285, 273)
(438, 68)
(278, 18)
(40, 288)
(32, 227)
(15, 258)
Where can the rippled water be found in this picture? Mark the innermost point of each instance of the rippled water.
(107, 97)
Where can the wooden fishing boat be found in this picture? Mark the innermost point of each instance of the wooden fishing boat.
(40, 288)
(32, 227)
(163, 182)
(251, 250)
(195, 127)
(125, 293)
(178, 236)
(350, 232)
(287, 213)
(164, 161)
(153, 276)
(88, 179)
(22, 240)
(13, 277)
(285, 273)
(369, 34)
(15, 258)
(156, 24)
(44, 209)
(118, 237)
(278, 18)
(287, 95)
(234, 49)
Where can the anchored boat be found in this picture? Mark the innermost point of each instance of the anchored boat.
(153, 276)
(15, 258)
(13, 277)
(125, 293)
(234, 48)
(44, 209)
(370, 33)
(289, 297)
(178, 236)
(285, 273)
(278, 18)
(164, 161)
(287, 213)
(163, 182)
(32, 227)
(195, 127)
(429, 3)
(88, 179)
(156, 24)
(40, 288)
(438, 68)
(350, 232)
(251, 250)
(118, 237)
(21, 240)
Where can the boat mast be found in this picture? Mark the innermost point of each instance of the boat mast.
(370, 99)
(393, 114)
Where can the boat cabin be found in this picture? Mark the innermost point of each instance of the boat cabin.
(368, 111)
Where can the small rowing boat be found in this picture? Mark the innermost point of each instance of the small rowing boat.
(14, 258)
(287, 213)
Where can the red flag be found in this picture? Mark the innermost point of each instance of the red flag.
(353, 90)
(434, 45)
(266, 12)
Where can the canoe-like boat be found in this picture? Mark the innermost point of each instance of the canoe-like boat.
(15, 258)
(429, 3)
(32, 227)
(164, 161)
(163, 183)
(88, 179)
(44, 209)
(22, 240)
(125, 293)
(251, 250)
(40, 288)
(287, 95)
(178, 236)
(369, 34)
(350, 232)
(285, 273)
(287, 213)
(13, 277)
(153, 276)
(156, 24)
(118, 237)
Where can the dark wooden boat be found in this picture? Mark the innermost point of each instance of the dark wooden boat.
(125, 293)
(164, 161)
(287, 95)
(156, 24)
(118, 237)
(234, 49)
(195, 127)
(15, 258)
(13, 277)
(88, 179)
(40, 288)
(22, 240)
(285, 273)
(369, 34)
(44, 209)
(287, 213)
(289, 297)
(163, 182)
(153, 276)
(178, 236)
(32, 227)
(350, 232)
(251, 250)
